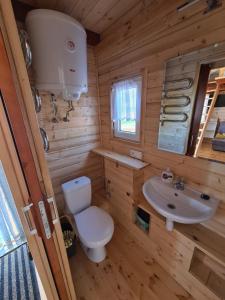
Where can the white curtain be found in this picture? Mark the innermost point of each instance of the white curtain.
(126, 98)
(11, 230)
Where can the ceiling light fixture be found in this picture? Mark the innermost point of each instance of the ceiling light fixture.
(186, 5)
(211, 5)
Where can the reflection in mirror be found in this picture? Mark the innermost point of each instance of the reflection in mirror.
(177, 102)
(192, 116)
(210, 142)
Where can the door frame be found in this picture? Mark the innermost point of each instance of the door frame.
(13, 47)
(14, 174)
(198, 108)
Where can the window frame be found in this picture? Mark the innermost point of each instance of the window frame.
(122, 135)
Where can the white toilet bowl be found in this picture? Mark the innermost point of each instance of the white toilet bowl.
(95, 228)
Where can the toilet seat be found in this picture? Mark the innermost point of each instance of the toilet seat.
(95, 227)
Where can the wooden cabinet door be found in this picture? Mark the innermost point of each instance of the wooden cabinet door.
(119, 181)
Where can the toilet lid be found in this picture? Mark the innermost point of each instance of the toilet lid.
(95, 226)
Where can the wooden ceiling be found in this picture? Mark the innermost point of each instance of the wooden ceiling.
(95, 15)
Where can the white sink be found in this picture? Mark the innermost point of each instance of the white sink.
(182, 206)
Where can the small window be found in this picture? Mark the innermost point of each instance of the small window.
(126, 108)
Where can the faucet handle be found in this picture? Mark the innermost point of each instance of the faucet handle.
(167, 176)
(179, 179)
(179, 183)
(182, 179)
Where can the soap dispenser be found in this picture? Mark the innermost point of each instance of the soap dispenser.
(167, 176)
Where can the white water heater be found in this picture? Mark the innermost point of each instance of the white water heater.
(59, 52)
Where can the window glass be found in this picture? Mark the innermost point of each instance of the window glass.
(11, 230)
(126, 108)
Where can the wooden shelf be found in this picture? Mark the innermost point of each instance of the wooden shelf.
(122, 159)
(209, 272)
(208, 241)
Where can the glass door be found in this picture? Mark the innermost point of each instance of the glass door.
(18, 273)
(11, 230)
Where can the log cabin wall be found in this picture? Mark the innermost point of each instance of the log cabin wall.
(71, 142)
(145, 40)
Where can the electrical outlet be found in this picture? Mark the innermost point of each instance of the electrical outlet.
(136, 154)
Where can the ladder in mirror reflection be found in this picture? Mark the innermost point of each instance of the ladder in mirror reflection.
(208, 125)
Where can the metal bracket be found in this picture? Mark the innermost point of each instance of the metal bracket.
(51, 201)
(44, 218)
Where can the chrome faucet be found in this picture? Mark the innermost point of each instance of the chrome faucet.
(179, 183)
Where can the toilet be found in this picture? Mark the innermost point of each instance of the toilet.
(95, 227)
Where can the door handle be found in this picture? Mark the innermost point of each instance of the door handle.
(25, 211)
(51, 201)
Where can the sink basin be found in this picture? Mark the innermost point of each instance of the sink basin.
(184, 206)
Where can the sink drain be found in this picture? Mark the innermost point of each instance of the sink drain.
(171, 206)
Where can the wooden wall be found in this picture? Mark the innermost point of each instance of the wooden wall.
(146, 41)
(71, 142)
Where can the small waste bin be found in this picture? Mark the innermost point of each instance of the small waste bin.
(68, 235)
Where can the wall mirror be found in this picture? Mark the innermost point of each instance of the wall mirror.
(192, 118)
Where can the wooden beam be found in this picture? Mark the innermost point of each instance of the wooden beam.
(93, 38)
(21, 9)
(198, 108)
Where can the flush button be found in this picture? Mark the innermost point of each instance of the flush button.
(205, 196)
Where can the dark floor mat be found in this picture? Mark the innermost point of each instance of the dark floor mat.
(17, 276)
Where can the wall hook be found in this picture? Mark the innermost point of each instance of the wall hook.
(36, 98)
(54, 109)
(70, 108)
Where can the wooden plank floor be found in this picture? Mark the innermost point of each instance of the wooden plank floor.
(127, 273)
